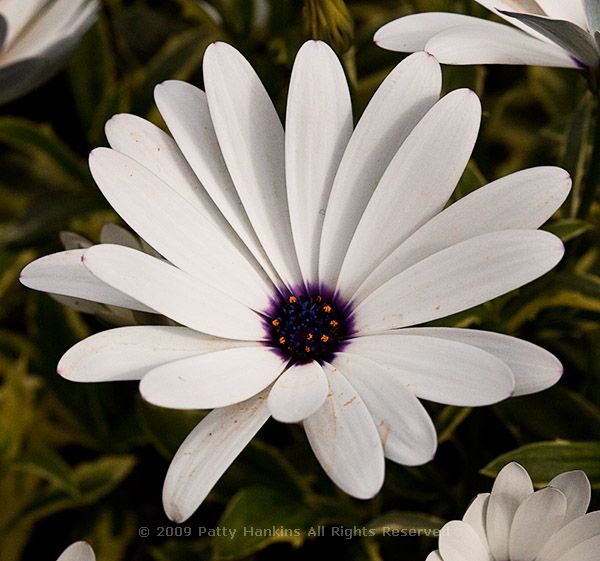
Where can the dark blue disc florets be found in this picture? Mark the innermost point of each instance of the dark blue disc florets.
(304, 325)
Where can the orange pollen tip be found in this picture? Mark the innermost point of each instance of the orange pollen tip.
(281, 340)
(292, 300)
(307, 349)
(309, 337)
(327, 308)
(275, 322)
(333, 323)
(324, 338)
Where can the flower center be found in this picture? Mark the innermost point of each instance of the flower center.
(308, 325)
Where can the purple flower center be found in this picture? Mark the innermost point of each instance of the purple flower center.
(305, 325)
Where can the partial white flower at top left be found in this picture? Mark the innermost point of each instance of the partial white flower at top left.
(296, 266)
(36, 38)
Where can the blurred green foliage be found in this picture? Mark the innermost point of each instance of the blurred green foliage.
(87, 462)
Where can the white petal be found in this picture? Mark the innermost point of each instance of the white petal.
(78, 551)
(512, 486)
(585, 551)
(499, 45)
(71, 240)
(434, 556)
(570, 11)
(344, 439)
(405, 428)
(576, 487)
(398, 105)
(185, 110)
(128, 353)
(458, 278)
(521, 6)
(538, 517)
(55, 23)
(252, 141)
(411, 33)
(64, 273)
(476, 514)
(207, 453)
(148, 145)
(18, 14)
(212, 380)
(298, 393)
(415, 186)
(522, 200)
(112, 233)
(318, 127)
(533, 368)
(175, 228)
(459, 542)
(439, 370)
(173, 292)
(568, 538)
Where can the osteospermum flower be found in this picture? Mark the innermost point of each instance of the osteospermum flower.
(514, 523)
(562, 33)
(36, 37)
(78, 551)
(298, 264)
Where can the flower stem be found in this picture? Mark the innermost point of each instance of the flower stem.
(592, 175)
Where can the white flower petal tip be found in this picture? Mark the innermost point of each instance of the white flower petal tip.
(298, 393)
(516, 523)
(495, 264)
(78, 551)
(207, 453)
(345, 440)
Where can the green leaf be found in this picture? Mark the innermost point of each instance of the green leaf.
(42, 144)
(397, 522)
(181, 55)
(545, 460)
(568, 229)
(97, 93)
(576, 148)
(45, 216)
(93, 480)
(98, 478)
(257, 517)
(555, 413)
(166, 428)
(51, 467)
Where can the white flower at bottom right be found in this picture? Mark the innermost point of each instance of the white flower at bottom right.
(516, 523)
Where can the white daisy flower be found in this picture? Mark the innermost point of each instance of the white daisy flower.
(36, 37)
(514, 523)
(78, 551)
(560, 33)
(297, 266)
